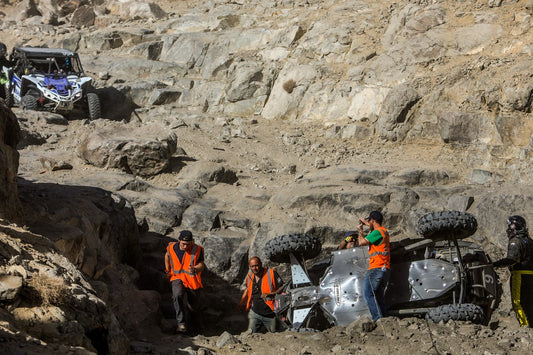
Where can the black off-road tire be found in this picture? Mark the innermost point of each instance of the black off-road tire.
(30, 100)
(459, 312)
(279, 248)
(303, 330)
(443, 225)
(8, 96)
(93, 105)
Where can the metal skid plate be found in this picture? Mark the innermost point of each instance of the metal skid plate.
(340, 292)
(421, 280)
(304, 296)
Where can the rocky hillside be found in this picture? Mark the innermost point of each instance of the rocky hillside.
(245, 120)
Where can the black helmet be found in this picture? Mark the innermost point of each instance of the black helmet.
(3, 50)
(516, 225)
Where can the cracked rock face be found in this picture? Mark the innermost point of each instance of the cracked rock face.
(246, 120)
(10, 207)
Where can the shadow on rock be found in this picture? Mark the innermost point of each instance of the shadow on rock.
(115, 104)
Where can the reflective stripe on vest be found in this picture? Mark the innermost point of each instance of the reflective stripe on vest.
(180, 270)
(380, 254)
(267, 286)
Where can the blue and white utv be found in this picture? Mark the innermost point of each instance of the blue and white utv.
(51, 79)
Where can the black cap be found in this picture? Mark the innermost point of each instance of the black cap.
(376, 216)
(350, 233)
(185, 236)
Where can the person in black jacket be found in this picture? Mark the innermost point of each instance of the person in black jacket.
(3, 53)
(4, 62)
(519, 259)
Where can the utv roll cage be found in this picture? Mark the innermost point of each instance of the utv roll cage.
(29, 60)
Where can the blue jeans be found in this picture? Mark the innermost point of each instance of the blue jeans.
(255, 321)
(376, 281)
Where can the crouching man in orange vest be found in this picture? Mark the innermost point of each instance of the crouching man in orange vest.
(184, 263)
(261, 286)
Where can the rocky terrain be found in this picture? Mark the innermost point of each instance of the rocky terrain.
(242, 121)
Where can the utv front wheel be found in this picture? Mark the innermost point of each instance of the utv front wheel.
(279, 248)
(443, 225)
(8, 98)
(30, 100)
(461, 312)
(93, 104)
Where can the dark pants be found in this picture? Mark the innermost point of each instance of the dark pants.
(186, 303)
(376, 281)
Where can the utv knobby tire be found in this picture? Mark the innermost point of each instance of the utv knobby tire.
(304, 330)
(279, 248)
(30, 101)
(8, 98)
(93, 105)
(460, 312)
(447, 224)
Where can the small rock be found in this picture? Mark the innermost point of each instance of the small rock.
(61, 165)
(203, 351)
(336, 349)
(320, 164)
(225, 339)
(413, 326)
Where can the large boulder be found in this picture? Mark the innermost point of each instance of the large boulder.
(93, 228)
(55, 303)
(395, 117)
(130, 9)
(158, 208)
(142, 150)
(83, 16)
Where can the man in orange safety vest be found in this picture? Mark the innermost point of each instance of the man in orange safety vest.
(378, 274)
(262, 284)
(184, 263)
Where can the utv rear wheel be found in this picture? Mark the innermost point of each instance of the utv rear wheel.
(279, 248)
(446, 224)
(461, 312)
(30, 101)
(93, 104)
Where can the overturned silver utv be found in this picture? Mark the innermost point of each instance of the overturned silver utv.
(438, 276)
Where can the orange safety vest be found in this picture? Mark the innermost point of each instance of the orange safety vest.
(180, 270)
(380, 254)
(267, 286)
